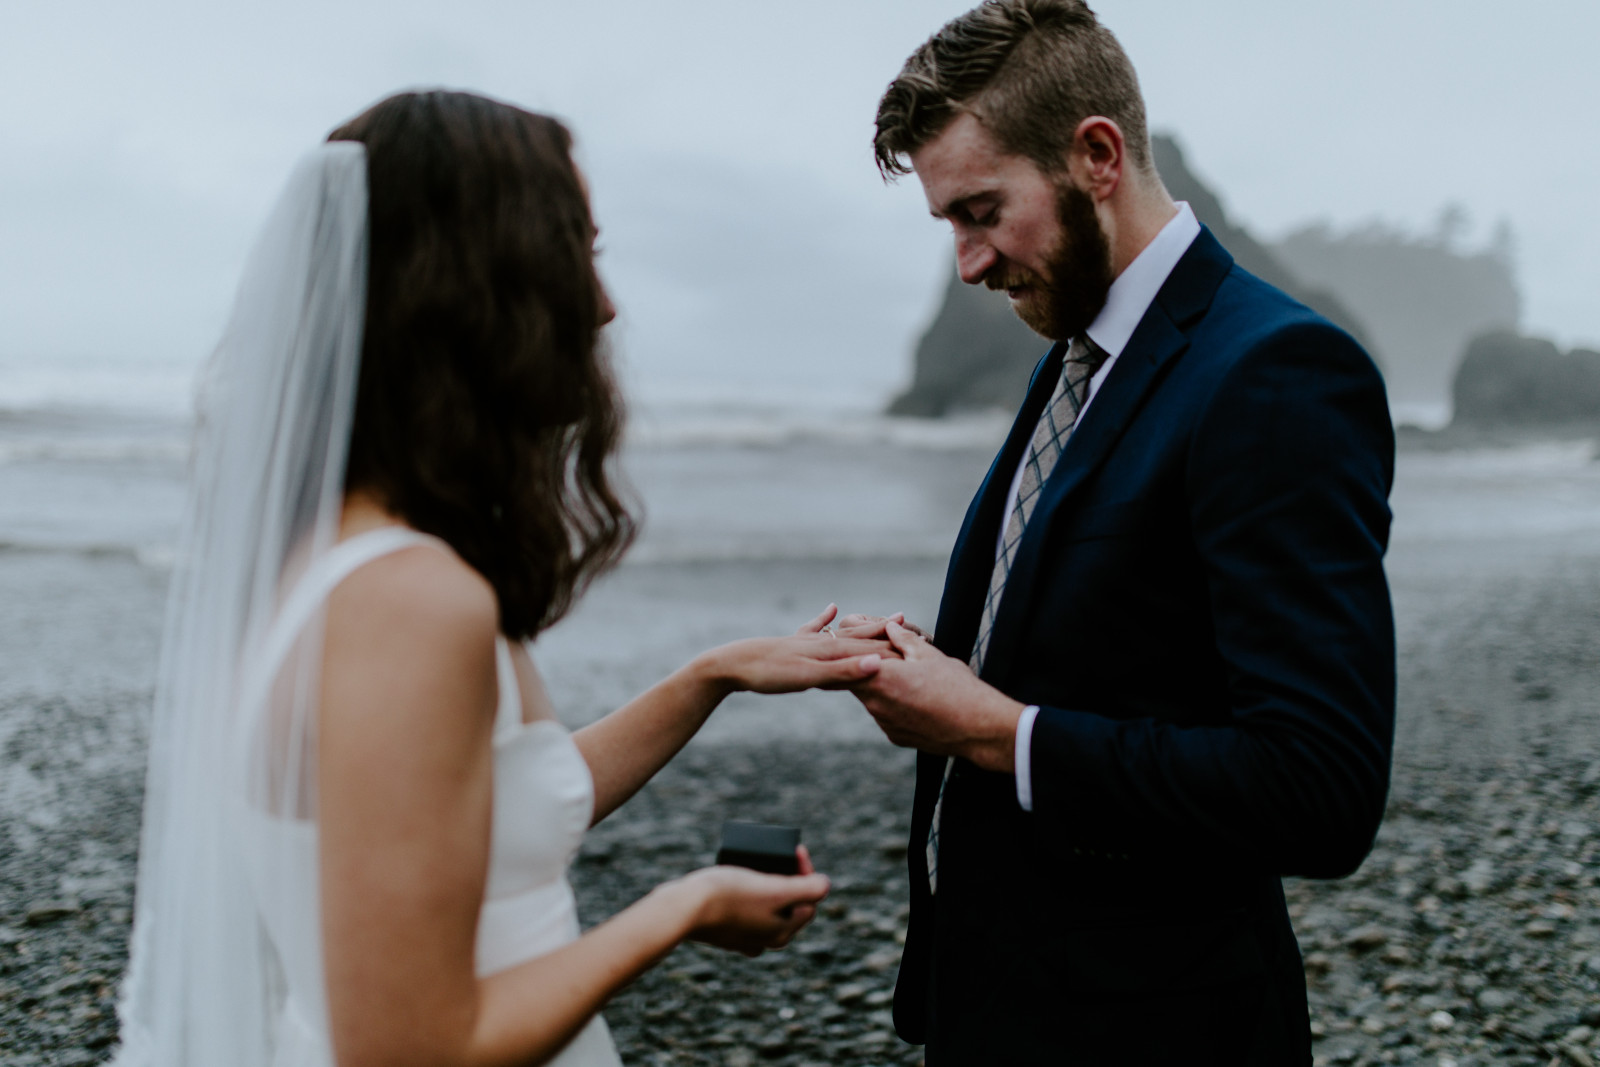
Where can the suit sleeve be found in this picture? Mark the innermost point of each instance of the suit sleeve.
(1288, 476)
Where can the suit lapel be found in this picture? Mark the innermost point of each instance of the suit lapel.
(972, 559)
(967, 581)
(1159, 339)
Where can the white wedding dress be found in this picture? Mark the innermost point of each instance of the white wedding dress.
(543, 803)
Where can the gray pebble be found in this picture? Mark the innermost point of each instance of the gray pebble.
(50, 911)
(1443, 919)
(1492, 999)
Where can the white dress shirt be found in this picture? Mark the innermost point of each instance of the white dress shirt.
(1126, 303)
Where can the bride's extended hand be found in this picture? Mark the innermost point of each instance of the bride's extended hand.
(813, 658)
(749, 912)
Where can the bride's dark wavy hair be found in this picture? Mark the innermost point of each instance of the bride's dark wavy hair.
(486, 410)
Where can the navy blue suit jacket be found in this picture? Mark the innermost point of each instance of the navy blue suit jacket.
(1199, 608)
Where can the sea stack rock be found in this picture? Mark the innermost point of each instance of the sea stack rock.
(1509, 380)
(975, 355)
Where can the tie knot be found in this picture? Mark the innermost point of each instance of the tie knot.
(1084, 357)
(1084, 351)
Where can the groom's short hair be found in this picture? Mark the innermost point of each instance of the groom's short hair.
(1029, 70)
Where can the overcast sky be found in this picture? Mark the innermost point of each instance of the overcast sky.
(749, 243)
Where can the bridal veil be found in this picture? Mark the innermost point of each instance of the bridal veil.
(233, 733)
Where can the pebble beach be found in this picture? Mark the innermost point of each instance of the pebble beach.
(1470, 936)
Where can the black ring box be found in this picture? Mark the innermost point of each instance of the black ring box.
(760, 847)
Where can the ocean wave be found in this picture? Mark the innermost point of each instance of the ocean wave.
(1424, 414)
(697, 552)
(79, 450)
(160, 388)
(76, 436)
(156, 557)
(776, 429)
(1530, 458)
(968, 434)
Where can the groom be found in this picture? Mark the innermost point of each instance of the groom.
(1163, 671)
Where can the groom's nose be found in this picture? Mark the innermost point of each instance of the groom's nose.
(975, 257)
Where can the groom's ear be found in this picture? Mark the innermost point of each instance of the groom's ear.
(1098, 157)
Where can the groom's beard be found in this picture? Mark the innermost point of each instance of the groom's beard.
(1061, 305)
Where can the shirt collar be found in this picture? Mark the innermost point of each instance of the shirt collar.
(1136, 287)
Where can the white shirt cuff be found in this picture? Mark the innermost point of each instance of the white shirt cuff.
(1024, 757)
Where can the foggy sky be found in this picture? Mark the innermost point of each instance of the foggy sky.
(749, 243)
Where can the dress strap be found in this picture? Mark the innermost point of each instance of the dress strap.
(313, 587)
(508, 713)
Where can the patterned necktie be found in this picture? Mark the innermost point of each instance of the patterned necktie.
(1084, 357)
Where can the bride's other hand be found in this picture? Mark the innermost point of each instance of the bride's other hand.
(814, 658)
(749, 912)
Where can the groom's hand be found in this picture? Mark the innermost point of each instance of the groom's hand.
(933, 703)
(870, 626)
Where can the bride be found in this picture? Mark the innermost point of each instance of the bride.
(360, 808)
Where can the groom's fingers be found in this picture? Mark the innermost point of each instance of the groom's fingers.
(816, 625)
(860, 626)
(864, 633)
(908, 644)
(871, 625)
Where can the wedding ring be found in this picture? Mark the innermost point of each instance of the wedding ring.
(829, 631)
